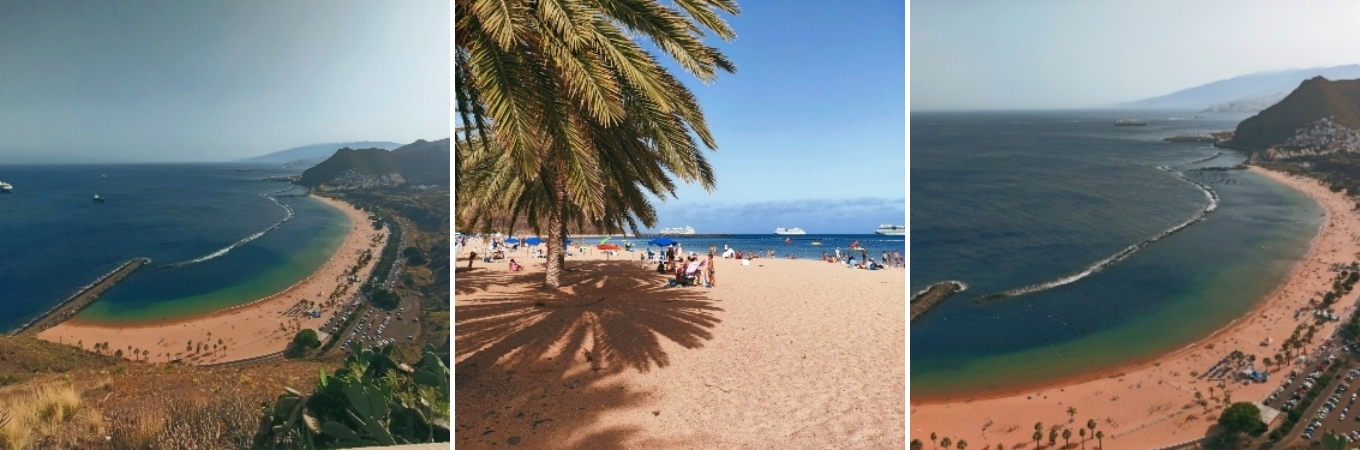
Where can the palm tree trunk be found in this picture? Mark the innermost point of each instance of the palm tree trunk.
(557, 231)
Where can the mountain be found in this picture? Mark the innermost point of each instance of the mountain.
(315, 153)
(421, 162)
(1246, 93)
(1316, 98)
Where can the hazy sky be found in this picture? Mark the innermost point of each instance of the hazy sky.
(811, 129)
(1065, 54)
(218, 80)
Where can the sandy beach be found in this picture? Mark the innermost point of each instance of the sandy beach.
(779, 354)
(1154, 404)
(261, 327)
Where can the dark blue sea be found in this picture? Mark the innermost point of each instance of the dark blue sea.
(799, 246)
(54, 238)
(1002, 201)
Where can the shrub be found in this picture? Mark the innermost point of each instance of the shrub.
(370, 401)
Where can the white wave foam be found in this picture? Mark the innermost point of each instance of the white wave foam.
(1122, 254)
(241, 242)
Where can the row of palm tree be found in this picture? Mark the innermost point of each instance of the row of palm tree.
(567, 119)
(1037, 437)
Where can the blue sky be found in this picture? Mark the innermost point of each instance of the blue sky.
(811, 129)
(1047, 54)
(132, 81)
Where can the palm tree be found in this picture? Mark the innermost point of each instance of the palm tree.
(917, 445)
(1082, 432)
(574, 104)
(961, 445)
(1067, 434)
(1052, 436)
(932, 439)
(1091, 423)
(1071, 413)
(1100, 438)
(946, 442)
(1038, 435)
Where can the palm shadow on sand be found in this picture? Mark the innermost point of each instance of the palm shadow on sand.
(512, 338)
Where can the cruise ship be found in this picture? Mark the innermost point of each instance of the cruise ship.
(891, 230)
(5, 187)
(685, 230)
(789, 231)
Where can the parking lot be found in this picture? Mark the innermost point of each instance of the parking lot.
(1334, 409)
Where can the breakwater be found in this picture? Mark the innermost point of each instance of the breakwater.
(1209, 194)
(241, 242)
(79, 300)
(933, 295)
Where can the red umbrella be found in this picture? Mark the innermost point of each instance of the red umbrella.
(607, 247)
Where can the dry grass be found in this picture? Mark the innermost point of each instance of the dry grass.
(46, 416)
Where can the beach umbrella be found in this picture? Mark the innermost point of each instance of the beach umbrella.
(532, 241)
(511, 240)
(661, 242)
(607, 247)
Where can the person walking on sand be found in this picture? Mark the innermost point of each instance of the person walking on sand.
(471, 256)
(709, 269)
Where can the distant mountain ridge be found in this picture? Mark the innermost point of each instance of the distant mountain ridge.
(1314, 99)
(316, 152)
(420, 162)
(1246, 93)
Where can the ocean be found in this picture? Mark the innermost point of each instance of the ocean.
(214, 239)
(799, 246)
(1036, 213)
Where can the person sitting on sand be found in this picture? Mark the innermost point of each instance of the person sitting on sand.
(738, 255)
(514, 267)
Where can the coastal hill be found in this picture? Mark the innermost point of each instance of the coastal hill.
(1314, 99)
(421, 162)
(1246, 93)
(315, 153)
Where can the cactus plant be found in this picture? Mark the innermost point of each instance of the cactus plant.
(372, 400)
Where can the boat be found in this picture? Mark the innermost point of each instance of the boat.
(243, 169)
(888, 229)
(678, 230)
(1130, 123)
(103, 176)
(794, 230)
(6, 187)
(98, 199)
(816, 243)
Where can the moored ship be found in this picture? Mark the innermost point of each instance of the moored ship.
(888, 229)
(678, 230)
(5, 187)
(794, 230)
(98, 199)
(1130, 123)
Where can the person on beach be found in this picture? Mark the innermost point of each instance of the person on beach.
(670, 258)
(471, 256)
(709, 274)
(514, 267)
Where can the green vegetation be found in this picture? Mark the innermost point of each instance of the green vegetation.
(1242, 417)
(384, 298)
(372, 400)
(587, 122)
(414, 257)
(304, 341)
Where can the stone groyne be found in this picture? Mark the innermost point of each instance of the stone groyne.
(81, 299)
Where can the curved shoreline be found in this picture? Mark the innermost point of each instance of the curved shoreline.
(1160, 388)
(261, 326)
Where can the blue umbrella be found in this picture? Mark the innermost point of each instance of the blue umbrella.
(661, 242)
(512, 241)
(532, 241)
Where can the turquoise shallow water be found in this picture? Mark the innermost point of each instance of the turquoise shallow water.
(54, 239)
(1001, 201)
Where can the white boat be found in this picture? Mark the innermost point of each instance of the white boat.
(685, 230)
(5, 187)
(794, 230)
(98, 199)
(891, 230)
